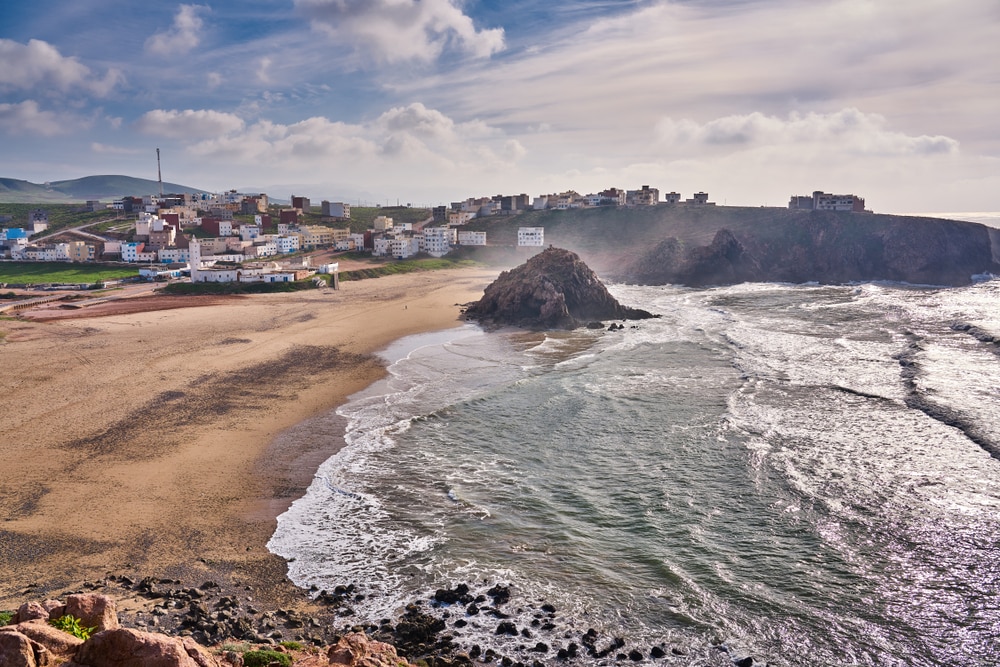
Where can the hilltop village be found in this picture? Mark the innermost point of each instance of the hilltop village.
(238, 237)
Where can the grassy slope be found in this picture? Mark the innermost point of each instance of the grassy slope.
(34, 273)
(60, 215)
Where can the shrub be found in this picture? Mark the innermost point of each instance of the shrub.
(6, 616)
(265, 658)
(292, 646)
(71, 624)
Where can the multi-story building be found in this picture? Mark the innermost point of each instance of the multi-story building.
(644, 196)
(131, 251)
(827, 202)
(250, 232)
(315, 236)
(382, 223)
(471, 238)
(301, 203)
(458, 218)
(174, 255)
(337, 209)
(288, 243)
(672, 197)
(699, 198)
(437, 241)
(79, 251)
(530, 236)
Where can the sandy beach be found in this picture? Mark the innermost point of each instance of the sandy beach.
(143, 441)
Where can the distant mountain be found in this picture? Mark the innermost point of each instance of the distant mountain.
(104, 188)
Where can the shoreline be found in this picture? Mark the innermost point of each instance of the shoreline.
(145, 443)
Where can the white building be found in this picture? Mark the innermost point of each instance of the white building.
(401, 248)
(249, 232)
(175, 255)
(530, 236)
(382, 223)
(288, 243)
(437, 241)
(130, 251)
(472, 238)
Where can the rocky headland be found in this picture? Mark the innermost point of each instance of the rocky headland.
(723, 245)
(552, 290)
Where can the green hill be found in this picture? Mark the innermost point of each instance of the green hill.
(104, 188)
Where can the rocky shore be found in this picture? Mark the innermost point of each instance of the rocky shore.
(170, 623)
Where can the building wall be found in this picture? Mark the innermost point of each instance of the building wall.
(530, 236)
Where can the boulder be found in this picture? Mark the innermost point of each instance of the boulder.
(18, 650)
(123, 647)
(30, 611)
(93, 610)
(356, 650)
(61, 644)
(552, 290)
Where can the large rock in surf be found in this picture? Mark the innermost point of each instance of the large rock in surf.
(552, 290)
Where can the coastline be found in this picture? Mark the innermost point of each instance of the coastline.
(144, 443)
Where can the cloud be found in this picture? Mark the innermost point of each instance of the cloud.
(105, 149)
(263, 65)
(411, 139)
(188, 124)
(26, 118)
(183, 36)
(38, 64)
(392, 31)
(848, 131)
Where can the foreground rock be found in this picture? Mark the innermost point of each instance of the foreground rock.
(132, 648)
(552, 290)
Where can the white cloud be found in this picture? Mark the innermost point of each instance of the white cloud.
(38, 64)
(105, 149)
(845, 132)
(26, 118)
(263, 65)
(189, 124)
(183, 36)
(412, 144)
(391, 31)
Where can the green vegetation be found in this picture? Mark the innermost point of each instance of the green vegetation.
(237, 288)
(292, 646)
(61, 216)
(38, 273)
(71, 624)
(5, 616)
(405, 266)
(265, 658)
(237, 647)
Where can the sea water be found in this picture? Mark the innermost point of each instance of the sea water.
(792, 472)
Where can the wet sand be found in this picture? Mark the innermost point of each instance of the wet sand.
(142, 442)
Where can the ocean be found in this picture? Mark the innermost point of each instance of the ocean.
(793, 473)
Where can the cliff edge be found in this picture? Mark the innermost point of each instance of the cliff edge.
(723, 245)
(552, 290)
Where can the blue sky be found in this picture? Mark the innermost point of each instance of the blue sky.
(429, 101)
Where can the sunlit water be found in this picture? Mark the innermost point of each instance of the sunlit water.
(763, 467)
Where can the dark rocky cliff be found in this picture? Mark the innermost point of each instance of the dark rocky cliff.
(709, 245)
(552, 290)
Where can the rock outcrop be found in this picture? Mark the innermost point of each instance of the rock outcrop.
(552, 290)
(356, 650)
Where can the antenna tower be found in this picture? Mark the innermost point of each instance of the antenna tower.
(159, 174)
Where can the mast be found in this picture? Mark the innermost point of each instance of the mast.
(159, 174)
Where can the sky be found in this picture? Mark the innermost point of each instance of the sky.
(432, 101)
